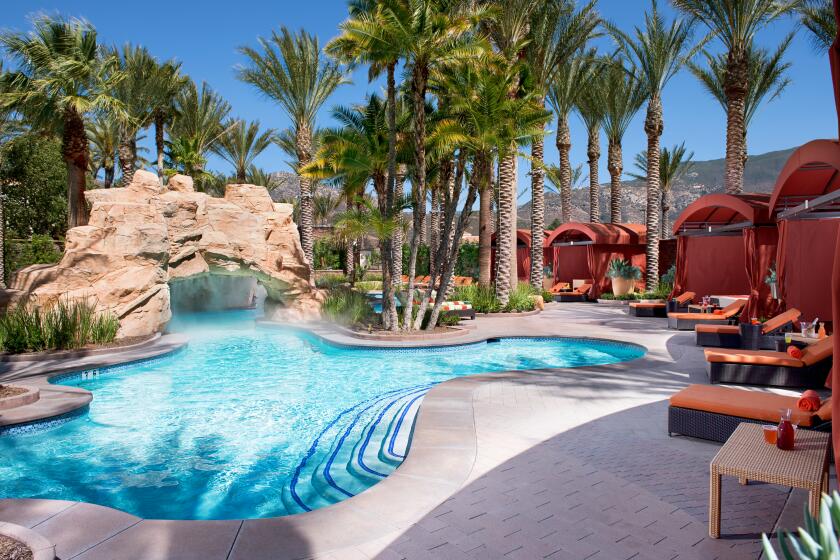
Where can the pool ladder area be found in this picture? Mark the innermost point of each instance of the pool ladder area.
(358, 448)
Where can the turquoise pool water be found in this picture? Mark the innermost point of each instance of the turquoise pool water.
(251, 422)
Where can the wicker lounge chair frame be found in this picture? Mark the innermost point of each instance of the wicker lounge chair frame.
(462, 313)
(714, 426)
(651, 310)
(810, 376)
(681, 323)
(766, 341)
(676, 306)
(576, 295)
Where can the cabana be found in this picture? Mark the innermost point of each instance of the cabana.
(523, 254)
(726, 245)
(806, 203)
(583, 251)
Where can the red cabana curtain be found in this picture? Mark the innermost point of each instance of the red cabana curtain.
(680, 276)
(555, 263)
(753, 274)
(834, 378)
(523, 262)
(598, 261)
(781, 250)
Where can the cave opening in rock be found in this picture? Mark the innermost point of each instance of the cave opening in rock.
(216, 292)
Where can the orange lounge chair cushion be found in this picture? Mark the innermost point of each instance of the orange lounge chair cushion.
(698, 316)
(685, 298)
(583, 289)
(780, 320)
(717, 329)
(752, 357)
(646, 305)
(819, 351)
(560, 287)
(745, 404)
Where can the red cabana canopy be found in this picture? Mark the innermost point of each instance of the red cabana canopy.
(584, 251)
(523, 253)
(806, 202)
(726, 246)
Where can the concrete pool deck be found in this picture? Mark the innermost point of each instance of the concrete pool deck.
(572, 463)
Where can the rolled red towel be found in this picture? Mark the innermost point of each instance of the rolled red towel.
(809, 401)
(794, 352)
(717, 312)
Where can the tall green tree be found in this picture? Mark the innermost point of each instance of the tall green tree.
(104, 135)
(658, 51)
(818, 17)
(563, 97)
(592, 109)
(291, 70)
(62, 75)
(135, 93)
(557, 31)
(673, 164)
(767, 80)
(240, 145)
(621, 96)
(735, 23)
(167, 84)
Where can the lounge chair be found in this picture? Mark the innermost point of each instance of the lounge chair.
(680, 303)
(462, 309)
(579, 294)
(765, 367)
(560, 287)
(713, 412)
(729, 336)
(640, 309)
(687, 321)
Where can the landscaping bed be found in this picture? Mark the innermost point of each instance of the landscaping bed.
(10, 549)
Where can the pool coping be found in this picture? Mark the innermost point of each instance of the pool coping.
(440, 461)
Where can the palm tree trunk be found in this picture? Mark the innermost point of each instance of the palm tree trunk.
(303, 140)
(616, 167)
(159, 145)
(389, 257)
(74, 148)
(564, 147)
(419, 79)
(109, 175)
(736, 92)
(399, 235)
(434, 227)
(665, 228)
(513, 269)
(507, 187)
(128, 157)
(653, 129)
(537, 211)
(2, 241)
(485, 217)
(593, 152)
(349, 262)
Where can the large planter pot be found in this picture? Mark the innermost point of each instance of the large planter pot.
(623, 286)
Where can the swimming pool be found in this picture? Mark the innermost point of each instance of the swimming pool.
(251, 422)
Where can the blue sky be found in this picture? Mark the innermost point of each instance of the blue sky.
(204, 36)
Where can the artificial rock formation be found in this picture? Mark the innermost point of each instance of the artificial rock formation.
(144, 236)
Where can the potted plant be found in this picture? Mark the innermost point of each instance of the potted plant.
(771, 281)
(624, 276)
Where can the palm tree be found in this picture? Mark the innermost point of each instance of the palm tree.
(197, 127)
(658, 51)
(104, 135)
(557, 31)
(736, 23)
(591, 110)
(241, 145)
(166, 85)
(62, 75)
(563, 97)
(621, 96)
(258, 176)
(673, 164)
(135, 94)
(818, 17)
(767, 80)
(185, 155)
(290, 69)
(9, 126)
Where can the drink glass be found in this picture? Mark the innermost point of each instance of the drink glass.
(770, 433)
(788, 338)
(804, 326)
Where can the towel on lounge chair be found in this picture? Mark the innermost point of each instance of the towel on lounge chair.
(794, 352)
(809, 401)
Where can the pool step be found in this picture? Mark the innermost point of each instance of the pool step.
(358, 448)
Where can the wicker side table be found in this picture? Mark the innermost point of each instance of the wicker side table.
(747, 456)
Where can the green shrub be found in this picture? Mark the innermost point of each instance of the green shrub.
(448, 320)
(329, 281)
(520, 298)
(816, 541)
(348, 307)
(327, 254)
(368, 285)
(467, 263)
(612, 297)
(62, 325)
(547, 296)
(482, 298)
(38, 249)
